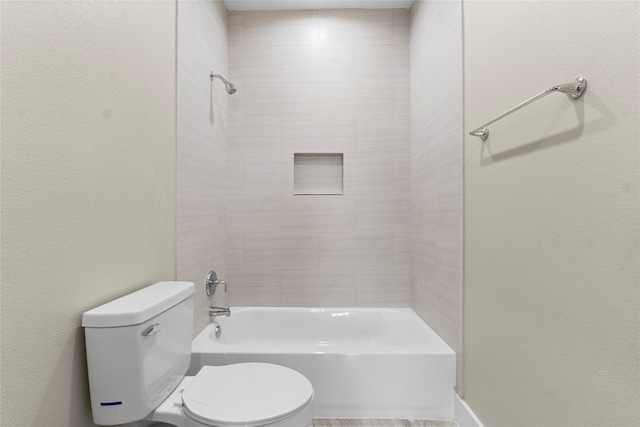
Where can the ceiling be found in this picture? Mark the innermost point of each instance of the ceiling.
(316, 4)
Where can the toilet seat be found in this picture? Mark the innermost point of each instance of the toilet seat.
(245, 394)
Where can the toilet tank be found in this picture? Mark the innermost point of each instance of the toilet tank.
(138, 350)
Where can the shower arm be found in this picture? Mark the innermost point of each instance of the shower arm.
(212, 76)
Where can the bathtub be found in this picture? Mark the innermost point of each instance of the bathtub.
(362, 362)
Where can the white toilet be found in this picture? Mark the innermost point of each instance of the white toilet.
(138, 351)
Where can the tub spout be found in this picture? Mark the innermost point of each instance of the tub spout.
(219, 311)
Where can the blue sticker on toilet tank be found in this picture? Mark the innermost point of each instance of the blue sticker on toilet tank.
(110, 403)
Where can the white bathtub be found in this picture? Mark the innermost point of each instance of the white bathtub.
(362, 362)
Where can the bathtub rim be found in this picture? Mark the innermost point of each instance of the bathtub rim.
(436, 346)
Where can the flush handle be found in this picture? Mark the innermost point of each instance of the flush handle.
(151, 330)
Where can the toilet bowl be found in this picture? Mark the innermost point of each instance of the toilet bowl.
(138, 351)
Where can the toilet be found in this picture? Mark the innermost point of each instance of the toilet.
(139, 350)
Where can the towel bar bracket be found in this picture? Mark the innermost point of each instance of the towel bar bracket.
(576, 88)
(482, 133)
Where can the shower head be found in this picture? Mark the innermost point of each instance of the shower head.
(231, 89)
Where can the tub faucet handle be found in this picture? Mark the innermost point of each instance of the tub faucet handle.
(212, 283)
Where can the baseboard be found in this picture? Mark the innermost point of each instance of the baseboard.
(464, 415)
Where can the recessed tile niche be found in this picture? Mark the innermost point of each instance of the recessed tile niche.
(317, 173)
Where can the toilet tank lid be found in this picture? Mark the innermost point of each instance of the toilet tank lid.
(139, 306)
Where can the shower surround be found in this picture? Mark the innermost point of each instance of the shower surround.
(329, 81)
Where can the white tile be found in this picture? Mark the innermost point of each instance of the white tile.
(280, 27)
(190, 54)
(401, 101)
(369, 175)
(318, 136)
(355, 18)
(383, 212)
(255, 56)
(253, 278)
(235, 31)
(383, 64)
(252, 138)
(234, 175)
(324, 296)
(252, 213)
(235, 105)
(259, 296)
(318, 278)
(235, 250)
(383, 137)
(356, 101)
(193, 258)
(281, 101)
(316, 64)
(279, 251)
(345, 27)
(383, 288)
(255, 64)
(402, 251)
(266, 175)
(402, 175)
(360, 250)
(436, 168)
(194, 102)
(318, 214)
(401, 25)
(253, 287)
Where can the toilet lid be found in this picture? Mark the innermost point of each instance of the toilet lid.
(245, 394)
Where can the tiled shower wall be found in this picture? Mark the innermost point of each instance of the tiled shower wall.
(323, 82)
(202, 121)
(331, 81)
(436, 169)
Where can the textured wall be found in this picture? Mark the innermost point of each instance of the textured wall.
(436, 169)
(551, 215)
(202, 133)
(332, 81)
(88, 186)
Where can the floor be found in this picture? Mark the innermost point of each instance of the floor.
(326, 422)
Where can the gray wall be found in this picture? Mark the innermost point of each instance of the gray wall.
(88, 186)
(551, 215)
